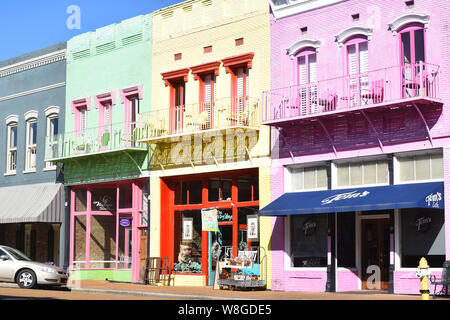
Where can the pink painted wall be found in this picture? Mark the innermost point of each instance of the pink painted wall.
(399, 130)
(347, 280)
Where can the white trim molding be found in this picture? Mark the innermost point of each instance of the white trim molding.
(33, 63)
(409, 18)
(293, 7)
(25, 93)
(32, 114)
(51, 110)
(353, 31)
(12, 119)
(299, 45)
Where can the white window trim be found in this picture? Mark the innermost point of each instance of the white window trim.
(288, 177)
(50, 113)
(11, 121)
(414, 154)
(31, 117)
(334, 173)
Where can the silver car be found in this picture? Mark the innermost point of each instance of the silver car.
(17, 267)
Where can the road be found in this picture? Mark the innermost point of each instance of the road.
(65, 294)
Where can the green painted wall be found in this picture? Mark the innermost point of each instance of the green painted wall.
(114, 275)
(109, 59)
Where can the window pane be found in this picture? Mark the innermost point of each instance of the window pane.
(213, 189)
(406, 47)
(437, 166)
(370, 173)
(80, 200)
(79, 253)
(309, 245)
(406, 168)
(13, 136)
(126, 196)
(103, 242)
(54, 126)
(382, 172)
(322, 178)
(188, 252)
(346, 240)
(103, 199)
(343, 175)
(226, 189)
(310, 178)
(195, 192)
(419, 45)
(297, 178)
(355, 174)
(32, 133)
(244, 189)
(180, 189)
(423, 167)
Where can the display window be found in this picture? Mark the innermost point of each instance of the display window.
(230, 198)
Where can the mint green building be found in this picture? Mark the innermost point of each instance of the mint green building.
(108, 85)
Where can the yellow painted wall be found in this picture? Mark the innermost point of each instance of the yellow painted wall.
(187, 28)
(265, 223)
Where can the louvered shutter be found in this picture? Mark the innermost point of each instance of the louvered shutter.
(363, 67)
(303, 78)
(312, 67)
(240, 90)
(208, 93)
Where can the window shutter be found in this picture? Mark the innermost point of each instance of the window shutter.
(302, 70)
(312, 68)
(363, 58)
(208, 88)
(351, 54)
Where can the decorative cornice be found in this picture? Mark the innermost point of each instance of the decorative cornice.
(353, 31)
(33, 63)
(32, 114)
(291, 8)
(51, 110)
(176, 74)
(12, 119)
(84, 102)
(302, 44)
(409, 18)
(131, 91)
(105, 97)
(25, 93)
(236, 61)
(210, 67)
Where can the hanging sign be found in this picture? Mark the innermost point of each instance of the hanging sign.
(209, 220)
(252, 227)
(188, 226)
(124, 222)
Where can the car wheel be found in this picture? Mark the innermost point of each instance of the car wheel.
(26, 279)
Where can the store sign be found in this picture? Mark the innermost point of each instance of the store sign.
(224, 216)
(423, 222)
(344, 196)
(433, 200)
(125, 222)
(209, 220)
(309, 227)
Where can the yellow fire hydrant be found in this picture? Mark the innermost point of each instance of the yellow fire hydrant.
(424, 273)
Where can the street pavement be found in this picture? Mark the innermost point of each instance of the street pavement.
(107, 290)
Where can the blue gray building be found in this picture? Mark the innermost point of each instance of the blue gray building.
(32, 199)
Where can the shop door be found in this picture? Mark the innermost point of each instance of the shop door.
(375, 254)
(142, 253)
(224, 239)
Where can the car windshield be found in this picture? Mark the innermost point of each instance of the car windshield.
(17, 254)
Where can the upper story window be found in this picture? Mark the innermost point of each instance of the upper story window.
(131, 98)
(31, 141)
(80, 109)
(176, 81)
(420, 167)
(11, 147)
(52, 125)
(308, 178)
(307, 80)
(362, 173)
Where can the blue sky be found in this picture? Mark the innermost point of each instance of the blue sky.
(28, 25)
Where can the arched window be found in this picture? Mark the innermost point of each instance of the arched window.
(31, 141)
(307, 79)
(11, 147)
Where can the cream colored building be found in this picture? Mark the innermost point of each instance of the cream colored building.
(211, 63)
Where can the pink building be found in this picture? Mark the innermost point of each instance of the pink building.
(360, 146)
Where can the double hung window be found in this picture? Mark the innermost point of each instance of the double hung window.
(31, 141)
(11, 162)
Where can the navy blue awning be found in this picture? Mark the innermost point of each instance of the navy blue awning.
(417, 195)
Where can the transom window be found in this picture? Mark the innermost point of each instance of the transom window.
(308, 178)
(421, 167)
(362, 173)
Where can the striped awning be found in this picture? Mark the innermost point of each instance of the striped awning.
(32, 203)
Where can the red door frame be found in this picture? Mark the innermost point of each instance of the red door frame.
(167, 232)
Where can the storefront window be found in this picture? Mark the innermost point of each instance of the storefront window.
(308, 241)
(308, 178)
(103, 242)
(219, 189)
(80, 242)
(421, 167)
(362, 173)
(248, 235)
(188, 242)
(103, 199)
(346, 240)
(81, 200)
(188, 192)
(125, 242)
(422, 235)
(248, 189)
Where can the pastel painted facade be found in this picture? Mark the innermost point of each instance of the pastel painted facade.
(32, 96)
(359, 99)
(210, 66)
(108, 85)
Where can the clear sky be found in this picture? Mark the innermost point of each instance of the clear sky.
(28, 25)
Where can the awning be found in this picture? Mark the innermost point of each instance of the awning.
(418, 195)
(32, 203)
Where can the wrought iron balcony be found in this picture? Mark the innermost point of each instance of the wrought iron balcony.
(88, 142)
(392, 86)
(189, 119)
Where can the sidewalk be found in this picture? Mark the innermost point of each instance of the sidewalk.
(207, 293)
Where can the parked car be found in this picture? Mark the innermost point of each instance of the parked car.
(17, 267)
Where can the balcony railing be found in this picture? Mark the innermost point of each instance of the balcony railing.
(115, 137)
(225, 113)
(375, 88)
